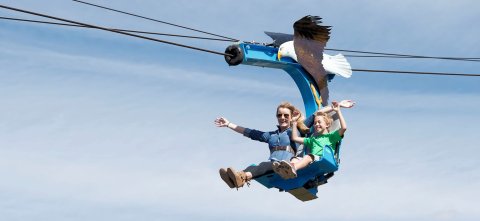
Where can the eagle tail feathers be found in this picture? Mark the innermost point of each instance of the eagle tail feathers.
(337, 64)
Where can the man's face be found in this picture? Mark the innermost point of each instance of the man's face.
(284, 116)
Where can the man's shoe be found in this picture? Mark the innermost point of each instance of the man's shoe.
(239, 178)
(226, 178)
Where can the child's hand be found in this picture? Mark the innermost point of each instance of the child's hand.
(221, 122)
(346, 103)
(335, 106)
(296, 115)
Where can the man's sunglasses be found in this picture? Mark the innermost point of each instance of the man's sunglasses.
(284, 115)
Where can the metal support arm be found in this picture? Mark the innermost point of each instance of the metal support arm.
(264, 56)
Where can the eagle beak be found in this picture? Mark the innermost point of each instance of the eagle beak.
(279, 55)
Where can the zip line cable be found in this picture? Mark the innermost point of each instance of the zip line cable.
(220, 39)
(116, 29)
(403, 55)
(340, 50)
(224, 54)
(417, 72)
(399, 55)
(111, 30)
(416, 57)
(151, 19)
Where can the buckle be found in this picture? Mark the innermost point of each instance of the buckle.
(284, 148)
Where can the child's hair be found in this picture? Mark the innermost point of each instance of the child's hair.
(328, 118)
(300, 125)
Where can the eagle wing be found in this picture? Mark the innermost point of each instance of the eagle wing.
(309, 40)
(279, 38)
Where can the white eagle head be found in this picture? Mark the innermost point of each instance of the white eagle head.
(287, 50)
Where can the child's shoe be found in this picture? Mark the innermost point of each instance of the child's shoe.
(284, 169)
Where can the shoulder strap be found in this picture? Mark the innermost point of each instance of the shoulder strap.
(337, 152)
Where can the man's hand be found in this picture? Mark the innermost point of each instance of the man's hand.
(221, 122)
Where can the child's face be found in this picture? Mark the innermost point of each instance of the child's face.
(320, 124)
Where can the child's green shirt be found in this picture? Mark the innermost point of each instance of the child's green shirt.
(317, 143)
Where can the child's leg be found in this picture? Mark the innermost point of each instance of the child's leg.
(302, 163)
(295, 160)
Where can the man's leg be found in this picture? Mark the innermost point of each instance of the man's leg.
(259, 170)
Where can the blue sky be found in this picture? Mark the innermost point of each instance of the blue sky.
(96, 126)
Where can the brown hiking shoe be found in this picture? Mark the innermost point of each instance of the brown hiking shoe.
(226, 178)
(239, 178)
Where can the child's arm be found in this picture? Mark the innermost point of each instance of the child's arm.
(327, 109)
(343, 103)
(295, 137)
(343, 124)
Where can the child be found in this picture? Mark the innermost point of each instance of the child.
(322, 137)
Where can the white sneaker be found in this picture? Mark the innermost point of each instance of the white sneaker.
(284, 169)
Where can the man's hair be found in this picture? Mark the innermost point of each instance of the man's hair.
(300, 124)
